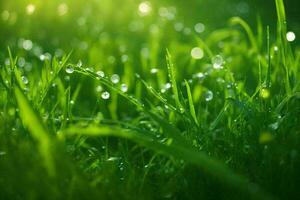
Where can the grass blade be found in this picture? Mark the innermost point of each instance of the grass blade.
(31, 120)
(171, 72)
(191, 104)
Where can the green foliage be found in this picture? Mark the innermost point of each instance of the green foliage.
(133, 113)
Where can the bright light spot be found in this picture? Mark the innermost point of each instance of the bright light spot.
(30, 8)
(290, 36)
(105, 95)
(264, 93)
(62, 9)
(145, 8)
(27, 45)
(197, 53)
(153, 70)
(199, 28)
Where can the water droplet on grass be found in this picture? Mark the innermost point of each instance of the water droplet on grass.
(79, 64)
(115, 78)
(209, 95)
(153, 70)
(100, 74)
(69, 69)
(112, 159)
(199, 76)
(124, 88)
(25, 80)
(274, 126)
(217, 62)
(105, 95)
(21, 62)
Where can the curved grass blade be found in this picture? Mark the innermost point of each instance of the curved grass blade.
(31, 120)
(191, 104)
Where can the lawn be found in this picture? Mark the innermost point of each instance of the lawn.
(131, 99)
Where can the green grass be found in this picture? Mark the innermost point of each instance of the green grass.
(167, 126)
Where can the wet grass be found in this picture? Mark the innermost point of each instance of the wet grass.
(182, 116)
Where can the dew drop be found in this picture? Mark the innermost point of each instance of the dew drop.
(112, 159)
(209, 95)
(274, 126)
(115, 78)
(199, 76)
(217, 62)
(79, 64)
(153, 70)
(105, 95)
(124, 88)
(168, 86)
(25, 80)
(100, 74)
(69, 69)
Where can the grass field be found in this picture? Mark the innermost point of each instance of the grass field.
(137, 100)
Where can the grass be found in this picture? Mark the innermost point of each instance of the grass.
(115, 119)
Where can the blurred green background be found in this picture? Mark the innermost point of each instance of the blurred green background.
(71, 24)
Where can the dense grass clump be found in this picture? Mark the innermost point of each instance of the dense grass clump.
(139, 106)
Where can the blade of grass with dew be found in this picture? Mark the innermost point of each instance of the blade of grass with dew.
(212, 167)
(282, 30)
(172, 76)
(107, 83)
(268, 77)
(57, 66)
(191, 104)
(31, 120)
(156, 94)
